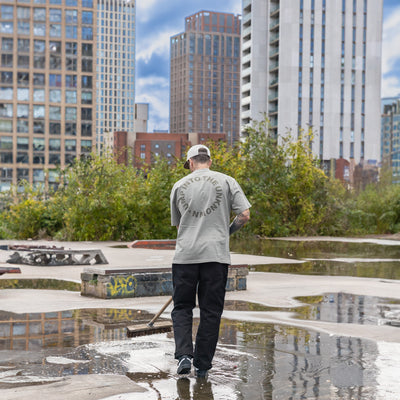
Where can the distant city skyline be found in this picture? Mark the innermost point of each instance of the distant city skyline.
(158, 20)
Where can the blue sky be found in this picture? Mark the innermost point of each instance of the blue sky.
(158, 20)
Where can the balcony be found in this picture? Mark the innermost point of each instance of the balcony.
(273, 65)
(246, 3)
(274, 52)
(273, 110)
(273, 82)
(274, 10)
(245, 114)
(274, 24)
(245, 101)
(246, 58)
(273, 96)
(246, 31)
(246, 87)
(246, 44)
(246, 18)
(273, 123)
(273, 37)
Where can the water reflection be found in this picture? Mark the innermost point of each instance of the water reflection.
(351, 309)
(253, 360)
(65, 329)
(287, 363)
(318, 249)
(335, 258)
(201, 390)
(54, 284)
(371, 269)
(335, 307)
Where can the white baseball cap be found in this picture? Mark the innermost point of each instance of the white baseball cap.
(195, 151)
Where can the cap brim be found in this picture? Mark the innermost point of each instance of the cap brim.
(186, 165)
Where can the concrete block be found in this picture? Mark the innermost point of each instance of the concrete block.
(142, 282)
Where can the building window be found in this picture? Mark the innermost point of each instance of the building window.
(70, 129)
(70, 96)
(38, 127)
(70, 145)
(55, 128)
(86, 146)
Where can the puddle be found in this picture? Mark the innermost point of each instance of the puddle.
(65, 329)
(335, 307)
(72, 328)
(351, 309)
(315, 249)
(368, 269)
(253, 360)
(334, 258)
(53, 284)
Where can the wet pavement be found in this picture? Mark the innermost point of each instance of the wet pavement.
(253, 361)
(288, 336)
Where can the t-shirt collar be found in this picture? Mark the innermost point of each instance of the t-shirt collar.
(201, 170)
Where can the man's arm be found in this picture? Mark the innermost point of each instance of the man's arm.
(239, 221)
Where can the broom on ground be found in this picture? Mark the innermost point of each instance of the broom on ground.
(151, 327)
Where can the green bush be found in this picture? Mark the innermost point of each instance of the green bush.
(30, 215)
(99, 199)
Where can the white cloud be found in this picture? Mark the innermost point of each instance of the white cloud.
(390, 42)
(158, 44)
(155, 91)
(390, 86)
(145, 8)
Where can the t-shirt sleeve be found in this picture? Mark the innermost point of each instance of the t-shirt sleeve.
(238, 198)
(175, 213)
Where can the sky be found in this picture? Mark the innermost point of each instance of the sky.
(158, 20)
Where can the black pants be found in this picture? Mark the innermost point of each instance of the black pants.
(209, 281)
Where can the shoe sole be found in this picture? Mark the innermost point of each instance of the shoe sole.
(184, 368)
(184, 371)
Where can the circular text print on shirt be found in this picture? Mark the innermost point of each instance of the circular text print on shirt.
(208, 208)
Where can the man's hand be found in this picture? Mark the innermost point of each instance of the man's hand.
(239, 221)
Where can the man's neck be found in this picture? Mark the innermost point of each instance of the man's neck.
(200, 166)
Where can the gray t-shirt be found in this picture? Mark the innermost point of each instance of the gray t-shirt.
(201, 204)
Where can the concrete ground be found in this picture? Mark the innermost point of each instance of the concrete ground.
(271, 289)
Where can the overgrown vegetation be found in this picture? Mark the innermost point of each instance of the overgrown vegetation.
(99, 199)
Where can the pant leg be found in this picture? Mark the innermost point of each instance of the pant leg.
(184, 281)
(211, 294)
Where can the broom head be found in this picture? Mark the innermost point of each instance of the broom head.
(148, 329)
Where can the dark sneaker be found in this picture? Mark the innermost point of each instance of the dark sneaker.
(184, 365)
(201, 373)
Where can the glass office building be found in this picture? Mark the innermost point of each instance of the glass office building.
(205, 75)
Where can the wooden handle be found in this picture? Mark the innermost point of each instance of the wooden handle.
(151, 323)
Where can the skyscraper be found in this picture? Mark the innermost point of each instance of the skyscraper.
(315, 63)
(205, 75)
(115, 71)
(390, 138)
(66, 75)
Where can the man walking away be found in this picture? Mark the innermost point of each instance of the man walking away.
(201, 206)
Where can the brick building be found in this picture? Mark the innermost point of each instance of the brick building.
(146, 147)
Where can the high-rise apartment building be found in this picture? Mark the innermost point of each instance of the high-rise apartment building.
(315, 63)
(205, 75)
(391, 139)
(59, 75)
(115, 69)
